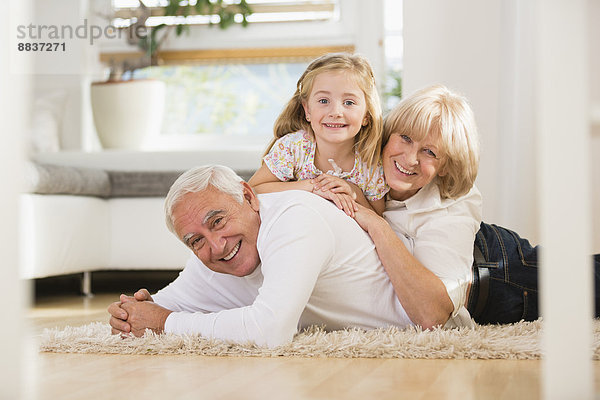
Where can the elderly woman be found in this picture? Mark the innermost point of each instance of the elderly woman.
(433, 216)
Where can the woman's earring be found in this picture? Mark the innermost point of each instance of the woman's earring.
(307, 118)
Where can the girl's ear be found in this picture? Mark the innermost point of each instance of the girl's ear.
(365, 120)
(306, 112)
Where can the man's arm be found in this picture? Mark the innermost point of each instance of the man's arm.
(118, 315)
(196, 289)
(144, 315)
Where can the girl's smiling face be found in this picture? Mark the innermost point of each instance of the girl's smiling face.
(409, 165)
(336, 108)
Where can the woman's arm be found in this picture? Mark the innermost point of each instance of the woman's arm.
(378, 205)
(421, 293)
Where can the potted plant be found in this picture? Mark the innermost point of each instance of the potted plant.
(126, 112)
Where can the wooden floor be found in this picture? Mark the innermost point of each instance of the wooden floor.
(79, 376)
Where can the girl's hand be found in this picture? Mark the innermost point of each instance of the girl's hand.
(342, 201)
(326, 182)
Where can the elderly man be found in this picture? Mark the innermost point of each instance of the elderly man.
(264, 266)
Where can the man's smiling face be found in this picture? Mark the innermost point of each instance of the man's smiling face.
(221, 232)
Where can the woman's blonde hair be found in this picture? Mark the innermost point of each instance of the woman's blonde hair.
(436, 110)
(293, 118)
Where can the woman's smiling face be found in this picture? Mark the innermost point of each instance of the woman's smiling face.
(409, 165)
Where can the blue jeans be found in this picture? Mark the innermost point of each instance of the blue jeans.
(511, 290)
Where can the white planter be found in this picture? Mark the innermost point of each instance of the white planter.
(127, 113)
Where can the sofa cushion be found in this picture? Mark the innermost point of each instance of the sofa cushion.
(141, 183)
(58, 179)
(148, 183)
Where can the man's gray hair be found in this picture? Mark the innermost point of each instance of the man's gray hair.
(196, 180)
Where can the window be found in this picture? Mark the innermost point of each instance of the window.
(218, 87)
(394, 49)
(262, 11)
(234, 102)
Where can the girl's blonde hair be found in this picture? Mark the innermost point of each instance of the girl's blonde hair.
(293, 118)
(437, 111)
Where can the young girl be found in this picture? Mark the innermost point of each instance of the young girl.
(328, 137)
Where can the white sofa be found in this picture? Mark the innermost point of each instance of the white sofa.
(81, 220)
(65, 234)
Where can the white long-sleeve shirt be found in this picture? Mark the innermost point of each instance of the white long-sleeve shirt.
(440, 234)
(318, 267)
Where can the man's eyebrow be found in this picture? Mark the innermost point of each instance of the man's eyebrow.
(210, 215)
(187, 237)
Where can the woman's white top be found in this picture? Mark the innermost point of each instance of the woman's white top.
(440, 233)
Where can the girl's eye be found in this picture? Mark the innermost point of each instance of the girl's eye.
(349, 103)
(323, 101)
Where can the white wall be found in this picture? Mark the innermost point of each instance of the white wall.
(594, 48)
(14, 98)
(562, 137)
(458, 44)
(62, 77)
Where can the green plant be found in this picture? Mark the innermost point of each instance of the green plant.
(153, 37)
(393, 86)
(395, 83)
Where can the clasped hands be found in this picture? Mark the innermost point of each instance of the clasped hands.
(343, 194)
(337, 190)
(134, 314)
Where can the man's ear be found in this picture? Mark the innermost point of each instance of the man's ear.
(250, 196)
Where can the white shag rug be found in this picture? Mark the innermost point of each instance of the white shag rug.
(512, 341)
